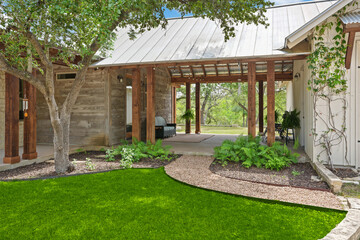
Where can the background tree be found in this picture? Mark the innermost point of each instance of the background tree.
(32, 29)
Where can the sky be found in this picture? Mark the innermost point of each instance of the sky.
(172, 14)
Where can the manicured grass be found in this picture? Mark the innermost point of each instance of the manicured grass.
(217, 130)
(147, 204)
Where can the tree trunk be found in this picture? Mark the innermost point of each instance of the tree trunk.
(61, 145)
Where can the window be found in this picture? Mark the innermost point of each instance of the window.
(64, 76)
(21, 99)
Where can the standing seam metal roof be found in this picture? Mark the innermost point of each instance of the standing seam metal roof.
(194, 39)
(351, 18)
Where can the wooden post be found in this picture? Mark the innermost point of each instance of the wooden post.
(270, 103)
(11, 119)
(173, 102)
(261, 106)
(136, 104)
(188, 107)
(251, 99)
(198, 113)
(150, 105)
(30, 123)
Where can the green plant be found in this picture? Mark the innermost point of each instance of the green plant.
(89, 165)
(138, 150)
(188, 115)
(250, 152)
(102, 150)
(295, 173)
(291, 120)
(296, 143)
(80, 150)
(74, 162)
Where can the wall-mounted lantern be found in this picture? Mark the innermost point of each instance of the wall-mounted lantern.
(25, 106)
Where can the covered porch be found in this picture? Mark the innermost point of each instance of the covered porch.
(250, 71)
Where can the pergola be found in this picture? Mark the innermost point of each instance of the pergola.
(222, 71)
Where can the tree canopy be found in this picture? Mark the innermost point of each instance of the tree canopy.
(38, 33)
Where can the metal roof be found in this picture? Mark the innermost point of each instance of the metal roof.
(351, 18)
(196, 39)
(300, 34)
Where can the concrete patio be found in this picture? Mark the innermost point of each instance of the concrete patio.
(205, 147)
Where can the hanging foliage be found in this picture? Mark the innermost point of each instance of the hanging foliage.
(329, 85)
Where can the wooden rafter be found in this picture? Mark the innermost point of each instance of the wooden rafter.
(216, 70)
(231, 79)
(181, 73)
(203, 68)
(192, 71)
(228, 67)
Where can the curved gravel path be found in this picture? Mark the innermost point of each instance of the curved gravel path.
(194, 170)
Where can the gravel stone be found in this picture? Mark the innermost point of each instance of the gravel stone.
(194, 170)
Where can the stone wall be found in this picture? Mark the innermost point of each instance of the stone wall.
(88, 115)
(99, 115)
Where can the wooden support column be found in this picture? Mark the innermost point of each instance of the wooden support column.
(251, 99)
(30, 123)
(197, 109)
(11, 119)
(173, 102)
(136, 104)
(188, 106)
(270, 103)
(261, 106)
(349, 50)
(150, 105)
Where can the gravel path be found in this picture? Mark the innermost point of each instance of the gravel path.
(194, 170)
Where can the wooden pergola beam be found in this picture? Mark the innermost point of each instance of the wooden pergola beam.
(173, 102)
(232, 78)
(261, 106)
(197, 109)
(349, 49)
(150, 105)
(11, 119)
(188, 107)
(202, 62)
(251, 99)
(271, 103)
(136, 104)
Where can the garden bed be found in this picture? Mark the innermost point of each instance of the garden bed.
(296, 175)
(98, 164)
(344, 172)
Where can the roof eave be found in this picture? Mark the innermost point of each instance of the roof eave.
(300, 34)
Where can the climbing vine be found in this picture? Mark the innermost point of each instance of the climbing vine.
(329, 85)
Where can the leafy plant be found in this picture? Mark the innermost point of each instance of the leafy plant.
(295, 173)
(89, 165)
(291, 119)
(250, 152)
(188, 115)
(296, 144)
(80, 150)
(102, 150)
(74, 162)
(134, 152)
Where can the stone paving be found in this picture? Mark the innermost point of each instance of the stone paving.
(194, 170)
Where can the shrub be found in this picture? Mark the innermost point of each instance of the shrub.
(138, 150)
(250, 152)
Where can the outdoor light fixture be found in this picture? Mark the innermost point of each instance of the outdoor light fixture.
(25, 106)
(120, 78)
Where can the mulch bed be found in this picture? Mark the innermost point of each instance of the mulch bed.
(47, 169)
(344, 172)
(284, 177)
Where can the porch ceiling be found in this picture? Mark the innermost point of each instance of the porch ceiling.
(228, 72)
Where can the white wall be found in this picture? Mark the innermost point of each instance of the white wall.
(303, 101)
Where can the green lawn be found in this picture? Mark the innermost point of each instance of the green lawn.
(147, 204)
(217, 130)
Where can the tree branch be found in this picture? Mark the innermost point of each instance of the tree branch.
(24, 75)
(86, 61)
